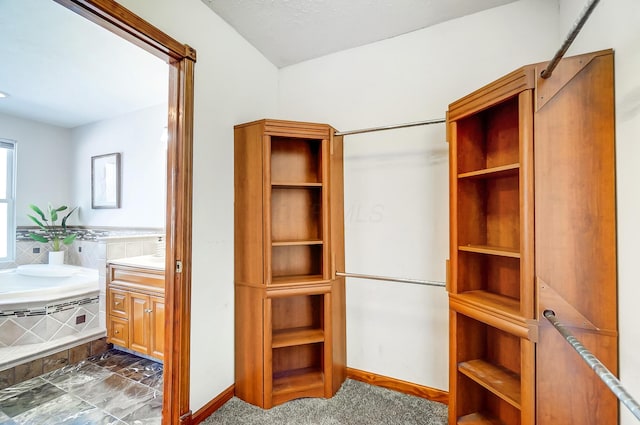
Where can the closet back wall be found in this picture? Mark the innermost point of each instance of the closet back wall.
(396, 190)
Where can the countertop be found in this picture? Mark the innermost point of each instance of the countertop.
(143, 261)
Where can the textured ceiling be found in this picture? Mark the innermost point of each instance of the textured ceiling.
(292, 31)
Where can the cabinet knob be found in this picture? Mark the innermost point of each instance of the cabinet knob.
(116, 332)
(116, 303)
(148, 310)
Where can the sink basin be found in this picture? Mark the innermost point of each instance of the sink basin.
(144, 261)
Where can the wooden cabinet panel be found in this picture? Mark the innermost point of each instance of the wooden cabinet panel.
(118, 302)
(156, 341)
(118, 331)
(140, 322)
(576, 238)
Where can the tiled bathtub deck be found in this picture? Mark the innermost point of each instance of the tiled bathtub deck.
(112, 388)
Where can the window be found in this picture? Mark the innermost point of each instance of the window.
(7, 200)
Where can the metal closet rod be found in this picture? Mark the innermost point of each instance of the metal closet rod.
(596, 365)
(577, 26)
(393, 279)
(390, 127)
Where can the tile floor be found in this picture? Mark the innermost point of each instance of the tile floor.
(111, 388)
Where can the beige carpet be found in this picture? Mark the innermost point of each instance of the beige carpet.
(356, 403)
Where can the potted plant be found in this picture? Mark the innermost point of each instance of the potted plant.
(58, 235)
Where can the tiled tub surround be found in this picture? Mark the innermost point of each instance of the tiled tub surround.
(40, 315)
(112, 388)
(93, 249)
(37, 324)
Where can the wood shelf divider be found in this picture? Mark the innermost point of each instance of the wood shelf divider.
(501, 171)
(296, 185)
(478, 419)
(294, 243)
(296, 336)
(491, 250)
(500, 381)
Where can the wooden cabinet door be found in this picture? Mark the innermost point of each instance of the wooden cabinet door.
(117, 303)
(139, 322)
(156, 343)
(118, 331)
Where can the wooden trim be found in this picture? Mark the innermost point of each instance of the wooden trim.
(405, 387)
(179, 195)
(513, 324)
(181, 58)
(497, 91)
(292, 128)
(208, 409)
(121, 21)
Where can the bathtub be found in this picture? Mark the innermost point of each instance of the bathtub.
(41, 303)
(38, 283)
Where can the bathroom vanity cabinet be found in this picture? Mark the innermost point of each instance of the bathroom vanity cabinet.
(532, 228)
(136, 309)
(290, 336)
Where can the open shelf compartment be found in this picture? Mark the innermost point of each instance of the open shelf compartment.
(296, 160)
(491, 274)
(297, 341)
(490, 138)
(297, 319)
(292, 263)
(489, 213)
(297, 372)
(488, 381)
(296, 214)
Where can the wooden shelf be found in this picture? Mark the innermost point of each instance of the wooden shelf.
(294, 243)
(297, 336)
(478, 419)
(297, 381)
(282, 280)
(501, 171)
(500, 381)
(296, 185)
(491, 250)
(490, 301)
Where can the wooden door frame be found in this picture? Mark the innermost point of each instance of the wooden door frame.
(181, 59)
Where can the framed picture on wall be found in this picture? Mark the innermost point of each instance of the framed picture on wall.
(105, 181)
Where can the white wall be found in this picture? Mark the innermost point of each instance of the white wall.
(396, 182)
(233, 84)
(137, 137)
(44, 171)
(617, 25)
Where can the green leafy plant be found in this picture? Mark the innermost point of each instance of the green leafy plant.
(54, 233)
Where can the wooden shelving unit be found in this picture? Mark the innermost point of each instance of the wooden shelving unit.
(525, 155)
(290, 330)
